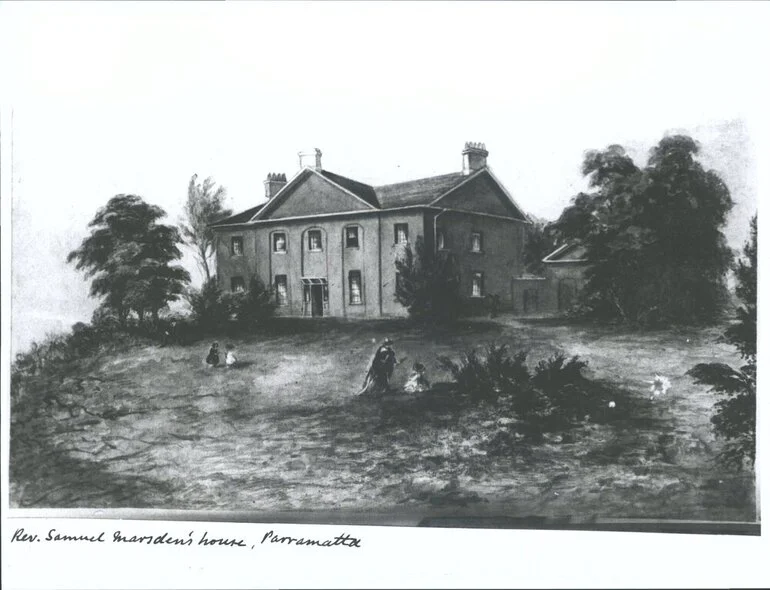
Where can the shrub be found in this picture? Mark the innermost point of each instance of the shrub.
(736, 413)
(489, 376)
(211, 308)
(428, 284)
(554, 396)
(254, 306)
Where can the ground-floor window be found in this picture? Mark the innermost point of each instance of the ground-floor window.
(477, 288)
(237, 284)
(281, 290)
(354, 281)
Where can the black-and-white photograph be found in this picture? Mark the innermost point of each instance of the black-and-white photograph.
(412, 264)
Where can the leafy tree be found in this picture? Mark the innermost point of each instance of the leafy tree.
(735, 418)
(428, 284)
(204, 206)
(541, 241)
(129, 256)
(653, 235)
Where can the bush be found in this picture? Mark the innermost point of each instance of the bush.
(214, 310)
(735, 419)
(556, 395)
(211, 308)
(489, 376)
(254, 306)
(428, 285)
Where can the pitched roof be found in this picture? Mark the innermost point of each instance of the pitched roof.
(573, 252)
(417, 192)
(422, 191)
(241, 217)
(361, 190)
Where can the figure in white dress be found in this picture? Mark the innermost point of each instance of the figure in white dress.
(417, 381)
(230, 359)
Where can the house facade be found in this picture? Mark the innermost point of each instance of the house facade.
(328, 244)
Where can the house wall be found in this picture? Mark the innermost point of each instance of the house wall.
(228, 266)
(390, 251)
(480, 195)
(502, 250)
(566, 279)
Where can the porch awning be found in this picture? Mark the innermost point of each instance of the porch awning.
(313, 281)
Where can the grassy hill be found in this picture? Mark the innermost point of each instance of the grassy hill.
(150, 426)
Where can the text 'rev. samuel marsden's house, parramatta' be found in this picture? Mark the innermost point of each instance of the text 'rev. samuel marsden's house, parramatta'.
(328, 244)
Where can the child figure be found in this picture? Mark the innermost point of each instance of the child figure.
(417, 381)
(230, 359)
(213, 357)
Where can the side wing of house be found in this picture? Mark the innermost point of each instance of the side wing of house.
(312, 194)
(481, 193)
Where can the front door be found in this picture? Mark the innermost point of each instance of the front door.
(317, 300)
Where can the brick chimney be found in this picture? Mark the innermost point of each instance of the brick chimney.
(310, 159)
(274, 183)
(474, 157)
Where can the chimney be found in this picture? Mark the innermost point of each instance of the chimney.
(274, 183)
(310, 159)
(474, 157)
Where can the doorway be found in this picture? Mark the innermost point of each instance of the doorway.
(317, 300)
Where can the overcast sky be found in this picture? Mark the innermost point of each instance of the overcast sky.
(135, 98)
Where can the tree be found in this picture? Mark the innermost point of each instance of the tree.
(653, 235)
(129, 256)
(541, 241)
(736, 415)
(428, 284)
(204, 206)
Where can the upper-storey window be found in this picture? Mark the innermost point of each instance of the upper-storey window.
(314, 240)
(351, 237)
(279, 242)
(401, 231)
(236, 246)
(477, 242)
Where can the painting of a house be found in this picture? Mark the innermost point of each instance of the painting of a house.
(327, 244)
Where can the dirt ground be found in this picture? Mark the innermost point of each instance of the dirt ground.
(285, 431)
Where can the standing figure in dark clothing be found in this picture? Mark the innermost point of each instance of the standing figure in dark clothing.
(213, 357)
(377, 380)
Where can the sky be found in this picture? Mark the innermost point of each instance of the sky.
(111, 98)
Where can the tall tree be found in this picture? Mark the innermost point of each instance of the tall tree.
(205, 204)
(541, 241)
(428, 284)
(129, 256)
(653, 235)
(736, 412)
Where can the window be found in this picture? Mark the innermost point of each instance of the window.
(236, 246)
(441, 240)
(314, 240)
(477, 243)
(354, 280)
(237, 285)
(279, 242)
(351, 237)
(281, 290)
(401, 233)
(477, 290)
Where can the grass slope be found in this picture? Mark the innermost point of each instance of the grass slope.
(285, 431)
